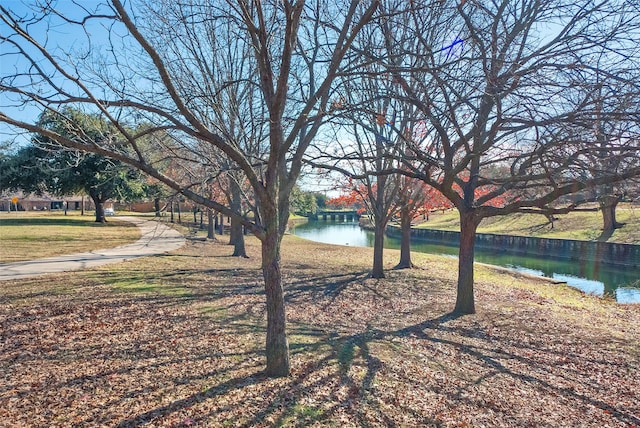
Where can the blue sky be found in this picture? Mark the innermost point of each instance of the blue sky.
(59, 37)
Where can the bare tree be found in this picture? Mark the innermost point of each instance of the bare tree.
(494, 82)
(158, 61)
(604, 129)
(364, 144)
(414, 197)
(358, 150)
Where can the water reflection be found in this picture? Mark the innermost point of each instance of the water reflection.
(334, 233)
(590, 277)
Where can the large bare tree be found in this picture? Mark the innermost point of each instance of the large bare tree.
(495, 82)
(159, 62)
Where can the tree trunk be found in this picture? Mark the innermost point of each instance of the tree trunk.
(221, 224)
(98, 201)
(100, 217)
(277, 345)
(236, 237)
(179, 213)
(156, 206)
(211, 233)
(608, 206)
(378, 250)
(82, 207)
(405, 241)
(465, 302)
(171, 208)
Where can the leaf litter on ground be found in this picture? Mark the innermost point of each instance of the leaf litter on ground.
(177, 340)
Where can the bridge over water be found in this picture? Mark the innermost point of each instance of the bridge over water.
(337, 215)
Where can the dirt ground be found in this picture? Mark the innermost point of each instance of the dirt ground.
(177, 341)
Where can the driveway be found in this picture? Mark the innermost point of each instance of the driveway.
(156, 238)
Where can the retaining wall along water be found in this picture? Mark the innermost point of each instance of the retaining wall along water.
(605, 252)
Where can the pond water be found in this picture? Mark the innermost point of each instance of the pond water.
(590, 277)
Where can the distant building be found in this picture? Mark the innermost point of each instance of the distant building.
(44, 202)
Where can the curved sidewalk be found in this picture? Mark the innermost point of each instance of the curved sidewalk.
(156, 238)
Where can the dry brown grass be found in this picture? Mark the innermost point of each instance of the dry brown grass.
(178, 341)
(28, 236)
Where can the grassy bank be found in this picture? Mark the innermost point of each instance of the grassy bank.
(576, 225)
(178, 340)
(27, 236)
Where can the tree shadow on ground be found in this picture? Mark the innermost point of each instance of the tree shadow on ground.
(175, 406)
(327, 286)
(287, 403)
(345, 367)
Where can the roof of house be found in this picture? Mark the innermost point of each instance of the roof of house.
(31, 197)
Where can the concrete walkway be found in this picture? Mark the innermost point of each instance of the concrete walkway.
(156, 238)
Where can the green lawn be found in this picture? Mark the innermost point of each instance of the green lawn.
(26, 235)
(576, 225)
